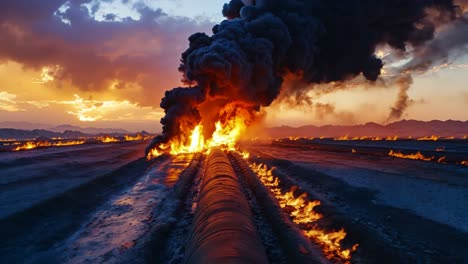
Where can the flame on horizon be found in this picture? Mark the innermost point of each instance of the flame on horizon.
(416, 156)
(61, 142)
(108, 139)
(39, 144)
(431, 138)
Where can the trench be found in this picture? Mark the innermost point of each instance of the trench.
(230, 216)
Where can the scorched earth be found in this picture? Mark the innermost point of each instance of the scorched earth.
(309, 201)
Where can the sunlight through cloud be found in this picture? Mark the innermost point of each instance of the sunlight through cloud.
(8, 102)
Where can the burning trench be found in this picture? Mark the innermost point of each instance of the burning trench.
(295, 218)
(221, 203)
(229, 77)
(43, 142)
(453, 159)
(301, 211)
(224, 225)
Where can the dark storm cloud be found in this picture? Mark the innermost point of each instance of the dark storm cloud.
(321, 41)
(27, 10)
(93, 54)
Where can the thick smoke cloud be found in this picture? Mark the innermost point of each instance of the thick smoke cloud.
(232, 9)
(449, 42)
(182, 103)
(132, 54)
(248, 56)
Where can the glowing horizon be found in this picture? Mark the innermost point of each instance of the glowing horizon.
(129, 98)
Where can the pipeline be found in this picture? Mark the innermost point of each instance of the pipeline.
(223, 230)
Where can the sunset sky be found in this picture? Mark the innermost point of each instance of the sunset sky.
(108, 63)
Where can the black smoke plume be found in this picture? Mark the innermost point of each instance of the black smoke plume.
(322, 41)
(451, 41)
(182, 103)
(402, 102)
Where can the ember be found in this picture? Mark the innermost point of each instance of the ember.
(134, 138)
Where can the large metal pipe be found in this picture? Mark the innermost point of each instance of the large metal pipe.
(223, 230)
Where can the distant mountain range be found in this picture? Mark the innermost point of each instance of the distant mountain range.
(404, 128)
(19, 134)
(23, 125)
(61, 128)
(88, 130)
(63, 131)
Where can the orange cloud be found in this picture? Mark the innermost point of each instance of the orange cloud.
(70, 48)
(111, 110)
(8, 102)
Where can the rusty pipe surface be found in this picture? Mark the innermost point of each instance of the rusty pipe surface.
(223, 230)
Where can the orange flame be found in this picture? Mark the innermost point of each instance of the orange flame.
(226, 135)
(137, 137)
(108, 139)
(154, 153)
(431, 138)
(332, 240)
(33, 144)
(68, 143)
(346, 137)
(27, 146)
(301, 210)
(416, 156)
(196, 144)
